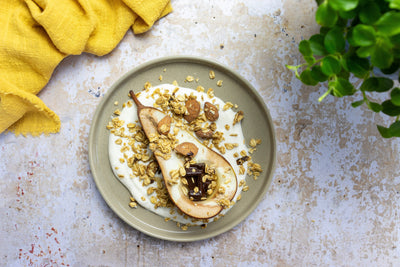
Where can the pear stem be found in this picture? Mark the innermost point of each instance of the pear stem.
(136, 100)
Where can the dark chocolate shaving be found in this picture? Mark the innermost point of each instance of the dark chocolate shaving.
(241, 160)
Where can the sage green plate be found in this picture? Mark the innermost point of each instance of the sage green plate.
(256, 124)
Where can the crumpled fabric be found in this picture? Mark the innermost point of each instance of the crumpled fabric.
(36, 35)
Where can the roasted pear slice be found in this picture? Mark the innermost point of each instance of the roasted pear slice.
(199, 181)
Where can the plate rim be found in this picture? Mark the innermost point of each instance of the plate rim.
(194, 60)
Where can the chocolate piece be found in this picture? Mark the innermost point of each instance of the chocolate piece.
(241, 160)
(194, 176)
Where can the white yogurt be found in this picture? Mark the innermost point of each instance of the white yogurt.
(134, 185)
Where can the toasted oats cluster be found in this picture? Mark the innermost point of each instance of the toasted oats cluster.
(137, 152)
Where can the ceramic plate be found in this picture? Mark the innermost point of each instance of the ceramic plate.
(256, 124)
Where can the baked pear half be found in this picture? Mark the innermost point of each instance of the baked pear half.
(200, 181)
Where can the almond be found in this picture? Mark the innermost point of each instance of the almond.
(164, 125)
(192, 110)
(208, 134)
(187, 149)
(211, 111)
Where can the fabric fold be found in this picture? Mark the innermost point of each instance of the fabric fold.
(38, 34)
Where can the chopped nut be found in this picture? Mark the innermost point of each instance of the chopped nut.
(227, 106)
(187, 149)
(238, 117)
(147, 85)
(211, 111)
(192, 110)
(164, 125)
(208, 134)
(219, 83)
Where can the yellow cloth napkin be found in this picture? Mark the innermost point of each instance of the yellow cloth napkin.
(36, 35)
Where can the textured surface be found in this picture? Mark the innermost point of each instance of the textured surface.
(334, 199)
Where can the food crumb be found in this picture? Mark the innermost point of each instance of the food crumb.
(189, 79)
(219, 83)
(211, 74)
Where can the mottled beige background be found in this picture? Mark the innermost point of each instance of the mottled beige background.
(334, 199)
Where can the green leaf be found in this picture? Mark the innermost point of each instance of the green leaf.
(307, 79)
(344, 74)
(343, 5)
(365, 51)
(363, 35)
(390, 109)
(310, 60)
(376, 84)
(325, 15)
(395, 4)
(317, 45)
(389, 23)
(349, 37)
(334, 40)
(304, 48)
(330, 65)
(318, 75)
(324, 30)
(358, 66)
(369, 13)
(395, 39)
(385, 132)
(395, 129)
(395, 96)
(392, 131)
(348, 14)
(375, 107)
(382, 56)
(392, 69)
(341, 87)
(357, 103)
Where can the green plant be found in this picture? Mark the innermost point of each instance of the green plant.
(356, 38)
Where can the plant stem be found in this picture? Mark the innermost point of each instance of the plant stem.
(324, 95)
